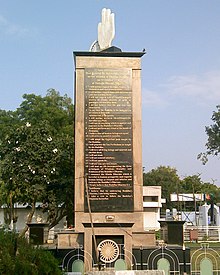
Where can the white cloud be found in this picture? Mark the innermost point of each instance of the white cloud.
(12, 29)
(204, 87)
(152, 98)
(201, 89)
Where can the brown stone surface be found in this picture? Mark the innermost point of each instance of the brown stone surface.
(69, 240)
(128, 224)
(82, 63)
(143, 239)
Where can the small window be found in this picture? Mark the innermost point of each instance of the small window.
(154, 198)
(150, 199)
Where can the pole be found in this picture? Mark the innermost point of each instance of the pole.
(212, 212)
(194, 199)
(184, 260)
(141, 249)
(91, 221)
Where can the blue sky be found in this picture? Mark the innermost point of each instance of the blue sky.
(180, 71)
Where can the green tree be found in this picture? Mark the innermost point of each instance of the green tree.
(55, 109)
(192, 184)
(170, 182)
(167, 178)
(20, 258)
(213, 133)
(36, 156)
(8, 119)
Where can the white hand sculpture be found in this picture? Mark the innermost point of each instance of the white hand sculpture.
(106, 29)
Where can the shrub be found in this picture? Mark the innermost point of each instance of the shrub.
(18, 257)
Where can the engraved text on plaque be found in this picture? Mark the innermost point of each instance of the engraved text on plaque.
(108, 139)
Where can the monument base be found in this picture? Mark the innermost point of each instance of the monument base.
(69, 239)
(143, 239)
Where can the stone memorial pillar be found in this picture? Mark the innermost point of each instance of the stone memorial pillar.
(108, 148)
(108, 208)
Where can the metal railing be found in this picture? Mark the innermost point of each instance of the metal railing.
(201, 233)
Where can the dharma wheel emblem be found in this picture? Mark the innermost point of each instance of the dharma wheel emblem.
(108, 251)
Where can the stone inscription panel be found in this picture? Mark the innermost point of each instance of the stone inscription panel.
(108, 139)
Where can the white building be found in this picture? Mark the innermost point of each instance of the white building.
(152, 204)
(22, 212)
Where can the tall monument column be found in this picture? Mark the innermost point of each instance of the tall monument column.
(108, 148)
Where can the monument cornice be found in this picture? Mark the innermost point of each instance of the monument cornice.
(108, 54)
(119, 225)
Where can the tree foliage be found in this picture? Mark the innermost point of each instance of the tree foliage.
(167, 178)
(170, 182)
(55, 109)
(7, 120)
(213, 133)
(194, 184)
(36, 155)
(19, 257)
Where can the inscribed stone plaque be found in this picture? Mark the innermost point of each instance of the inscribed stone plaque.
(108, 139)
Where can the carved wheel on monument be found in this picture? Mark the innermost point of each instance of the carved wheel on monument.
(108, 251)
